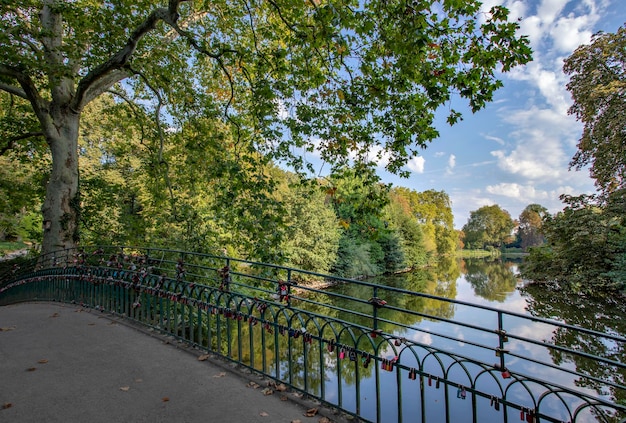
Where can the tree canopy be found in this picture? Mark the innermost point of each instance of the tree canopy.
(586, 246)
(598, 86)
(283, 78)
(529, 226)
(489, 226)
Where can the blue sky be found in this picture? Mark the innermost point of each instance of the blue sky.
(517, 151)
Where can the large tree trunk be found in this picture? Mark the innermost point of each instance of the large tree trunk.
(61, 207)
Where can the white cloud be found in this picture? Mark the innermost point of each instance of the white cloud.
(451, 164)
(571, 31)
(548, 10)
(526, 192)
(492, 138)
(416, 164)
(451, 161)
(541, 136)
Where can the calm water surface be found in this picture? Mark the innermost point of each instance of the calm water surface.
(494, 284)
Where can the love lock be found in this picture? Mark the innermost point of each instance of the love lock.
(366, 360)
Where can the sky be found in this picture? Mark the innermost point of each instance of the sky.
(517, 150)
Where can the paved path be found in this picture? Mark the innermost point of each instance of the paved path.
(60, 363)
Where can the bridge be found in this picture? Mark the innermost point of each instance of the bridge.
(377, 353)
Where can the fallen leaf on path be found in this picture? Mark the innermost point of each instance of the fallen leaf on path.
(55, 315)
(296, 421)
(31, 369)
(204, 357)
(124, 388)
(281, 388)
(6, 405)
(267, 391)
(165, 399)
(252, 384)
(324, 420)
(221, 374)
(138, 380)
(263, 414)
(311, 412)
(91, 324)
(42, 361)
(7, 329)
(283, 398)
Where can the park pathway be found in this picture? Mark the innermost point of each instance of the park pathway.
(63, 363)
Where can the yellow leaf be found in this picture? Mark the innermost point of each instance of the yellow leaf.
(311, 412)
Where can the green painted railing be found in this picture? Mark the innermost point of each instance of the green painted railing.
(373, 355)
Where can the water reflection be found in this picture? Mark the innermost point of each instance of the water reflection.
(351, 381)
(605, 315)
(491, 279)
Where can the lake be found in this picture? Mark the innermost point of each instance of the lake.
(493, 284)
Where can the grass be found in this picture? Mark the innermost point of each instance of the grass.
(7, 247)
(477, 253)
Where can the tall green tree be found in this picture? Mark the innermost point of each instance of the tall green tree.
(401, 219)
(489, 226)
(359, 199)
(284, 76)
(598, 86)
(529, 227)
(313, 231)
(433, 210)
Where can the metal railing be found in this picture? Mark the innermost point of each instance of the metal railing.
(378, 353)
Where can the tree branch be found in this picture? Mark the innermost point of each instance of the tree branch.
(11, 141)
(12, 90)
(133, 107)
(28, 92)
(104, 76)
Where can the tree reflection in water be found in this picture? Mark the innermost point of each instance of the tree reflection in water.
(602, 314)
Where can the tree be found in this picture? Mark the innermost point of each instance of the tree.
(529, 229)
(586, 245)
(401, 219)
(489, 226)
(313, 232)
(346, 78)
(433, 210)
(598, 86)
(586, 242)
